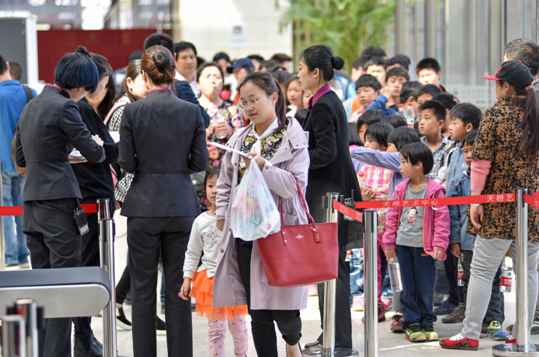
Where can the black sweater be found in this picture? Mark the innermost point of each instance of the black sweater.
(95, 180)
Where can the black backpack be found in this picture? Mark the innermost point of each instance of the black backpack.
(29, 93)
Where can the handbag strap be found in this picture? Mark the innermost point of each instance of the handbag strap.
(314, 227)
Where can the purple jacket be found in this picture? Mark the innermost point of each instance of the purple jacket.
(292, 158)
(435, 220)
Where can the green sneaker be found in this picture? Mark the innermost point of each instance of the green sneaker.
(429, 332)
(495, 332)
(414, 333)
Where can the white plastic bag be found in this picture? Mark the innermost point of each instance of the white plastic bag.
(254, 212)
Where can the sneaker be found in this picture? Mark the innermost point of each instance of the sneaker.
(458, 342)
(381, 315)
(24, 265)
(495, 332)
(387, 303)
(414, 333)
(445, 308)
(456, 316)
(121, 320)
(358, 304)
(161, 327)
(12, 266)
(534, 330)
(429, 332)
(313, 291)
(396, 325)
(438, 299)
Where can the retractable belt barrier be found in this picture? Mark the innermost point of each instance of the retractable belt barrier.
(17, 210)
(522, 198)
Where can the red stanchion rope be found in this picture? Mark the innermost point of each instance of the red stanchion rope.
(532, 200)
(17, 210)
(347, 211)
(445, 201)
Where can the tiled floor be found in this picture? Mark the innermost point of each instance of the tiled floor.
(388, 343)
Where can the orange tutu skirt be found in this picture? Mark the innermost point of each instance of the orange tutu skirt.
(202, 291)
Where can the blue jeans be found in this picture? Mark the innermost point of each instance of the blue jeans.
(417, 273)
(15, 240)
(356, 273)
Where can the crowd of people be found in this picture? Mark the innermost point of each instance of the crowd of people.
(142, 136)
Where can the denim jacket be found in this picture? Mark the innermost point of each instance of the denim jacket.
(461, 186)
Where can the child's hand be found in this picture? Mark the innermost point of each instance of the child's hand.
(438, 254)
(367, 194)
(391, 253)
(220, 224)
(184, 291)
(381, 220)
(387, 91)
(476, 215)
(455, 249)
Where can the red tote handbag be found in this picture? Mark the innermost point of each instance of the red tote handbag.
(300, 255)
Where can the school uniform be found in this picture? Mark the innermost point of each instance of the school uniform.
(332, 170)
(163, 140)
(49, 127)
(95, 182)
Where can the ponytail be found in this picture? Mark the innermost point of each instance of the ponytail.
(530, 124)
(267, 83)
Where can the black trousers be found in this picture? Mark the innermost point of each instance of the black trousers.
(288, 321)
(450, 265)
(124, 286)
(146, 238)
(54, 241)
(343, 315)
(89, 257)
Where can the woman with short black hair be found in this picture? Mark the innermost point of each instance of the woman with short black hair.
(48, 126)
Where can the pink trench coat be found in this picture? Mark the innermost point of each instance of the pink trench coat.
(292, 158)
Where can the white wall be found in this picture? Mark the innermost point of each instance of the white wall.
(206, 24)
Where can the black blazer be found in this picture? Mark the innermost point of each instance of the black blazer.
(95, 180)
(162, 140)
(49, 127)
(331, 167)
(185, 92)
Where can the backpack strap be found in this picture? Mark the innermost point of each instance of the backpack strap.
(29, 93)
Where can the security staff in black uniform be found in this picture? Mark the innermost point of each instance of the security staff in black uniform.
(49, 128)
(162, 140)
(95, 181)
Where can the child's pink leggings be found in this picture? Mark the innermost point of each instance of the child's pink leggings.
(217, 332)
(379, 267)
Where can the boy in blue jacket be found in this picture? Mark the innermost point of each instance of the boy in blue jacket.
(462, 245)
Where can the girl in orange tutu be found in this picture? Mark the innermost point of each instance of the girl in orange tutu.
(205, 237)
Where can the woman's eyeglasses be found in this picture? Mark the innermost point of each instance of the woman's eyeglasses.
(250, 103)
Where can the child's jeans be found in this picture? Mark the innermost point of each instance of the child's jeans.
(217, 332)
(356, 273)
(381, 272)
(417, 273)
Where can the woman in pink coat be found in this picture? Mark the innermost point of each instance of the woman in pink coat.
(279, 146)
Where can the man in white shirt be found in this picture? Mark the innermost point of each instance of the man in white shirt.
(186, 64)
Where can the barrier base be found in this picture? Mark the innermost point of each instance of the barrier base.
(339, 352)
(511, 349)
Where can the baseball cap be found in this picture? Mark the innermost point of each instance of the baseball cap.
(513, 72)
(242, 62)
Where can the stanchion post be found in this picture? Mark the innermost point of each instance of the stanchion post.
(370, 261)
(522, 347)
(330, 292)
(13, 336)
(27, 308)
(106, 244)
(2, 242)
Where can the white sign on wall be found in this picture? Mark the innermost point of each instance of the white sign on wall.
(237, 34)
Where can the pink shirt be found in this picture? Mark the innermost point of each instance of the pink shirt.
(318, 94)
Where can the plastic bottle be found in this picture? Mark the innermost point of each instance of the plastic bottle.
(409, 115)
(507, 279)
(361, 179)
(460, 271)
(395, 275)
(401, 109)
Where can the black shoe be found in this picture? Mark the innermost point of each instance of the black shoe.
(94, 349)
(161, 327)
(445, 308)
(121, 320)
